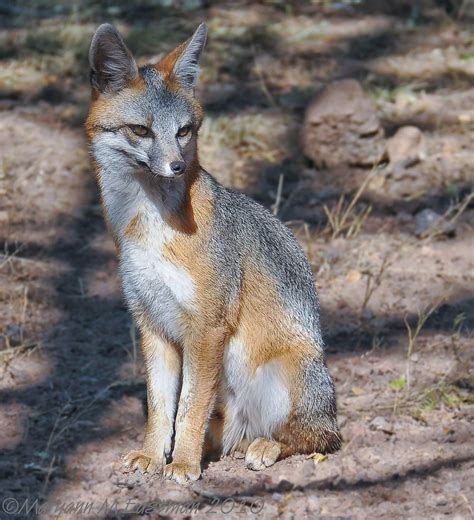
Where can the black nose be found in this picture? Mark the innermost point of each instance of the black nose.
(178, 167)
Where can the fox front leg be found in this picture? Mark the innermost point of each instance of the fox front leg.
(163, 367)
(202, 364)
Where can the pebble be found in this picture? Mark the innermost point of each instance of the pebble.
(427, 219)
(381, 424)
(453, 486)
(407, 147)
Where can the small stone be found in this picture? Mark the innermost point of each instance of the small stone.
(428, 220)
(381, 424)
(466, 118)
(452, 487)
(4, 216)
(12, 330)
(406, 148)
(284, 484)
(342, 419)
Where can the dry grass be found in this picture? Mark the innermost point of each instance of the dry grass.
(276, 205)
(448, 219)
(373, 282)
(345, 219)
(413, 334)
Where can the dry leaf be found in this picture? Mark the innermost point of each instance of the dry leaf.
(354, 276)
(356, 390)
(317, 457)
(465, 118)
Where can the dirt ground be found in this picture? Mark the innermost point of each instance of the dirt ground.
(397, 310)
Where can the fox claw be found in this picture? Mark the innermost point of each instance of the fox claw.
(182, 472)
(144, 462)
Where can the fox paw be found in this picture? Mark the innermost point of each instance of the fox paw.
(144, 462)
(262, 453)
(182, 472)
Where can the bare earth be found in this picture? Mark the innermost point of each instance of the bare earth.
(71, 378)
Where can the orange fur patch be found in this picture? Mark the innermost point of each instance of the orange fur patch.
(214, 434)
(167, 64)
(184, 218)
(106, 110)
(134, 228)
(206, 331)
(264, 324)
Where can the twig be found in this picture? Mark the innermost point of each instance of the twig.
(23, 313)
(262, 82)
(413, 336)
(49, 473)
(18, 349)
(53, 437)
(370, 287)
(444, 221)
(459, 16)
(10, 256)
(276, 205)
(309, 253)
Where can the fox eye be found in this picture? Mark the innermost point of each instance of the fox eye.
(184, 131)
(140, 131)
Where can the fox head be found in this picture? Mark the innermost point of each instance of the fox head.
(144, 120)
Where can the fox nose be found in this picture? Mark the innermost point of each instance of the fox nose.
(178, 167)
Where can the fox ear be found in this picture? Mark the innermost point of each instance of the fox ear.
(112, 64)
(182, 64)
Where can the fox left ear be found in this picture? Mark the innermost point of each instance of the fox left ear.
(112, 64)
(182, 64)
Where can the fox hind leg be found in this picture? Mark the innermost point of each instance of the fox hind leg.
(312, 425)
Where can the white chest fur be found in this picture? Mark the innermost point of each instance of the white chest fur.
(153, 283)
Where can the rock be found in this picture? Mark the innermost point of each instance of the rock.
(381, 424)
(342, 420)
(12, 330)
(407, 147)
(12, 335)
(452, 487)
(428, 220)
(341, 127)
(4, 216)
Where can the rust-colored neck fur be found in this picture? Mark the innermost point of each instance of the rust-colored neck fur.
(182, 218)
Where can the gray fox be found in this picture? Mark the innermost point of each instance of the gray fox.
(221, 291)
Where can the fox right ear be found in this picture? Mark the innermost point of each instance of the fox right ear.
(182, 64)
(112, 64)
